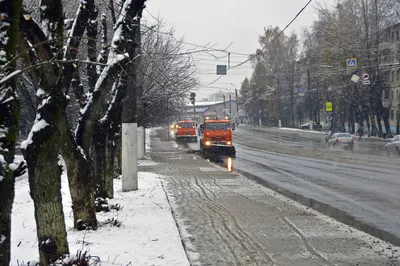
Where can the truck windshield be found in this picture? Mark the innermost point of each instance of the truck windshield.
(217, 126)
(186, 125)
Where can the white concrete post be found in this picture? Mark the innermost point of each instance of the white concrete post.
(310, 125)
(129, 157)
(140, 143)
(280, 123)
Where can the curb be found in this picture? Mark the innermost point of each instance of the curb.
(328, 210)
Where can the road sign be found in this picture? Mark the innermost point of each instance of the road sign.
(301, 91)
(366, 82)
(330, 114)
(296, 91)
(329, 107)
(355, 78)
(365, 76)
(221, 69)
(351, 63)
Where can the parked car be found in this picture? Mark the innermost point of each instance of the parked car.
(345, 140)
(314, 126)
(393, 146)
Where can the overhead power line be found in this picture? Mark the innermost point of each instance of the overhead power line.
(276, 37)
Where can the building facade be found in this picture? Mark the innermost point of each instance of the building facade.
(391, 95)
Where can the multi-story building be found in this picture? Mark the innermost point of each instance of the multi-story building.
(391, 95)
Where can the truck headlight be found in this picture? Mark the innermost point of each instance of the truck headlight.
(208, 143)
(229, 143)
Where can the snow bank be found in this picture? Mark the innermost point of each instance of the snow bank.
(147, 236)
(301, 130)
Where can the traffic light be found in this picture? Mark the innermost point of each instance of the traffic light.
(192, 98)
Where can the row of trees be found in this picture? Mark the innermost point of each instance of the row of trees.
(361, 29)
(82, 85)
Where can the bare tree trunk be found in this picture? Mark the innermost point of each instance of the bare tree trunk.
(91, 33)
(80, 179)
(379, 120)
(386, 122)
(99, 156)
(9, 110)
(41, 153)
(110, 175)
(374, 130)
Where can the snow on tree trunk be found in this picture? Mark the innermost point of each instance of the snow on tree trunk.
(119, 56)
(41, 152)
(9, 110)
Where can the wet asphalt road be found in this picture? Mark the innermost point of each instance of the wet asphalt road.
(360, 188)
(225, 218)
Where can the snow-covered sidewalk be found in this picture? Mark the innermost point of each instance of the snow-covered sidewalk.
(147, 234)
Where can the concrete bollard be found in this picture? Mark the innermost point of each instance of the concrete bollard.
(129, 157)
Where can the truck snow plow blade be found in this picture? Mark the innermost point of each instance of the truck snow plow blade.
(228, 151)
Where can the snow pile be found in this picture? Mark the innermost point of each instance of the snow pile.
(147, 233)
(301, 130)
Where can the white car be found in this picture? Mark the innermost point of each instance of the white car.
(393, 146)
(345, 140)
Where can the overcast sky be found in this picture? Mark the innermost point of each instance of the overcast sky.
(223, 22)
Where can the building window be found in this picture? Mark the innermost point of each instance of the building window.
(393, 74)
(392, 35)
(398, 74)
(392, 95)
(386, 94)
(391, 115)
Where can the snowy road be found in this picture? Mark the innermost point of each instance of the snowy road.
(362, 187)
(227, 219)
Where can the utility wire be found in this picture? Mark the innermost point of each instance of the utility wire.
(276, 37)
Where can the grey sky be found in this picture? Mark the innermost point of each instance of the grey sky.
(224, 22)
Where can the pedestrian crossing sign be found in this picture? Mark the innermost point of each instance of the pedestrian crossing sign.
(351, 63)
(329, 107)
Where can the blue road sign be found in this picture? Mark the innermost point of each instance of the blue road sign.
(301, 90)
(351, 63)
(221, 69)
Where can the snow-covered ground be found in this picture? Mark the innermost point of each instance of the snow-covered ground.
(147, 235)
(301, 130)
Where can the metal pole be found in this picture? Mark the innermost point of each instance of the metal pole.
(230, 105)
(194, 111)
(237, 103)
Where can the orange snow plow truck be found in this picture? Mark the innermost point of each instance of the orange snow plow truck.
(217, 137)
(186, 131)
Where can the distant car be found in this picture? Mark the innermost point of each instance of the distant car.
(393, 146)
(314, 126)
(345, 140)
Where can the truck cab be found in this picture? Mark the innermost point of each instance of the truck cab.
(217, 137)
(186, 131)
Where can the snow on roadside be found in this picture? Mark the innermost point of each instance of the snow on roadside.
(301, 130)
(147, 236)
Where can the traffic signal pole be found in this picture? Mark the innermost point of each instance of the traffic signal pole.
(193, 101)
